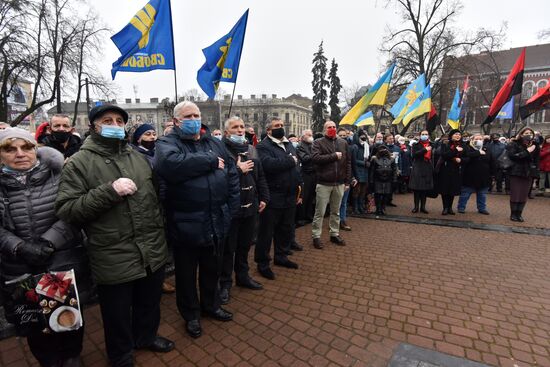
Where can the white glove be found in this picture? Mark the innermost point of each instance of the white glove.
(124, 186)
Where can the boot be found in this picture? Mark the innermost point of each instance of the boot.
(416, 203)
(423, 205)
(513, 212)
(519, 211)
(378, 203)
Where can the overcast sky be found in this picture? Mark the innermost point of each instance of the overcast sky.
(282, 36)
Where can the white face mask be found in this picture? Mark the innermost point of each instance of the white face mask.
(401, 141)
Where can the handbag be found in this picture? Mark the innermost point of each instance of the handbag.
(504, 162)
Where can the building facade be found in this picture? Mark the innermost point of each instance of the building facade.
(487, 72)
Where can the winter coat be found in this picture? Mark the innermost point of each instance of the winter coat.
(125, 233)
(73, 145)
(253, 186)
(525, 164)
(422, 171)
(360, 164)
(544, 160)
(200, 198)
(146, 153)
(27, 215)
(382, 174)
(281, 173)
(304, 157)
(479, 168)
(496, 148)
(450, 172)
(329, 169)
(405, 161)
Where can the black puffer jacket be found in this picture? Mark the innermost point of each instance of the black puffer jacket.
(525, 164)
(200, 198)
(253, 184)
(27, 215)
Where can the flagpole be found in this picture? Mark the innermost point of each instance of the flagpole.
(232, 95)
(173, 52)
(240, 54)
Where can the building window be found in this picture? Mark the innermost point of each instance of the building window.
(542, 84)
(275, 114)
(255, 117)
(538, 116)
(470, 118)
(264, 117)
(528, 90)
(287, 117)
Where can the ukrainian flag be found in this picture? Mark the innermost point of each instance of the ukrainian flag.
(407, 98)
(376, 96)
(422, 105)
(365, 119)
(453, 119)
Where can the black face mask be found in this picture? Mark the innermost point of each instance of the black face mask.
(527, 138)
(61, 136)
(278, 133)
(363, 138)
(149, 145)
(249, 137)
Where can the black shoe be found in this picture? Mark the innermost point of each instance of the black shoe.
(224, 296)
(220, 314)
(317, 243)
(415, 210)
(445, 211)
(484, 212)
(286, 263)
(337, 240)
(267, 273)
(300, 223)
(250, 284)
(423, 210)
(160, 345)
(296, 246)
(289, 252)
(193, 328)
(451, 212)
(391, 204)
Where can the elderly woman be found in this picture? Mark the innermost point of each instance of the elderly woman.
(477, 174)
(32, 239)
(524, 154)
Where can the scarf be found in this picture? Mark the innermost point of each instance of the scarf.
(20, 176)
(366, 150)
(428, 154)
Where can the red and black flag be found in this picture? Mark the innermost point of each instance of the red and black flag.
(536, 103)
(433, 120)
(511, 87)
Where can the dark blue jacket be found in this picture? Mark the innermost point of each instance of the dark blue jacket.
(359, 162)
(200, 198)
(281, 173)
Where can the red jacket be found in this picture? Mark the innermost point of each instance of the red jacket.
(544, 164)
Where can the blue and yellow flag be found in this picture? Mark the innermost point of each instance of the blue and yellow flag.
(453, 118)
(507, 111)
(146, 42)
(366, 119)
(376, 96)
(222, 59)
(422, 105)
(407, 98)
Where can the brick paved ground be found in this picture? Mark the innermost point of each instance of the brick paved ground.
(476, 294)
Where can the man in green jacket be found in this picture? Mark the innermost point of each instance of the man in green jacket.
(107, 189)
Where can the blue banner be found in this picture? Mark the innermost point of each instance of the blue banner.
(146, 42)
(222, 59)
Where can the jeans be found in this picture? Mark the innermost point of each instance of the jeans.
(344, 206)
(481, 197)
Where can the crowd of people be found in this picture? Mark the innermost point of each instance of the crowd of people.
(122, 204)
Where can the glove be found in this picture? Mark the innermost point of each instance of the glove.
(34, 253)
(124, 186)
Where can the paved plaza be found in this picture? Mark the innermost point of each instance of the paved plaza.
(483, 295)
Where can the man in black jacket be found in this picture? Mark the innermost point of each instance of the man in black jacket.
(61, 136)
(254, 198)
(280, 166)
(202, 194)
(305, 211)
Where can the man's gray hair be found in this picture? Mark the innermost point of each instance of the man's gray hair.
(269, 125)
(307, 130)
(230, 120)
(181, 105)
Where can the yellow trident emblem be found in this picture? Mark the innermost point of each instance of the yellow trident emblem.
(143, 21)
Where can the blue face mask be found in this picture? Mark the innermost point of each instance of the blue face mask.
(424, 137)
(190, 127)
(239, 139)
(295, 144)
(112, 132)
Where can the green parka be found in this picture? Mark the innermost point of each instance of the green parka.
(125, 234)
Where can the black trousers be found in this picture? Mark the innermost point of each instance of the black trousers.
(235, 251)
(193, 261)
(306, 210)
(277, 225)
(447, 201)
(131, 315)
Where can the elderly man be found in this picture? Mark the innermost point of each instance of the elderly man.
(305, 211)
(61, 136)
(254, 198)
(107, 188)
(201, 196)
(280, 165)
(332, 162)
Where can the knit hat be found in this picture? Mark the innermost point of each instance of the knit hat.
(142, 129)
(452, 132)
(16, 133)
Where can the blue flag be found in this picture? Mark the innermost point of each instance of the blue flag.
(507, 111)
(413, 91)
(146, 42)
(222, 59)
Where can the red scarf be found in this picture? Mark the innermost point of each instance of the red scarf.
(455, 144)
(428, 154)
